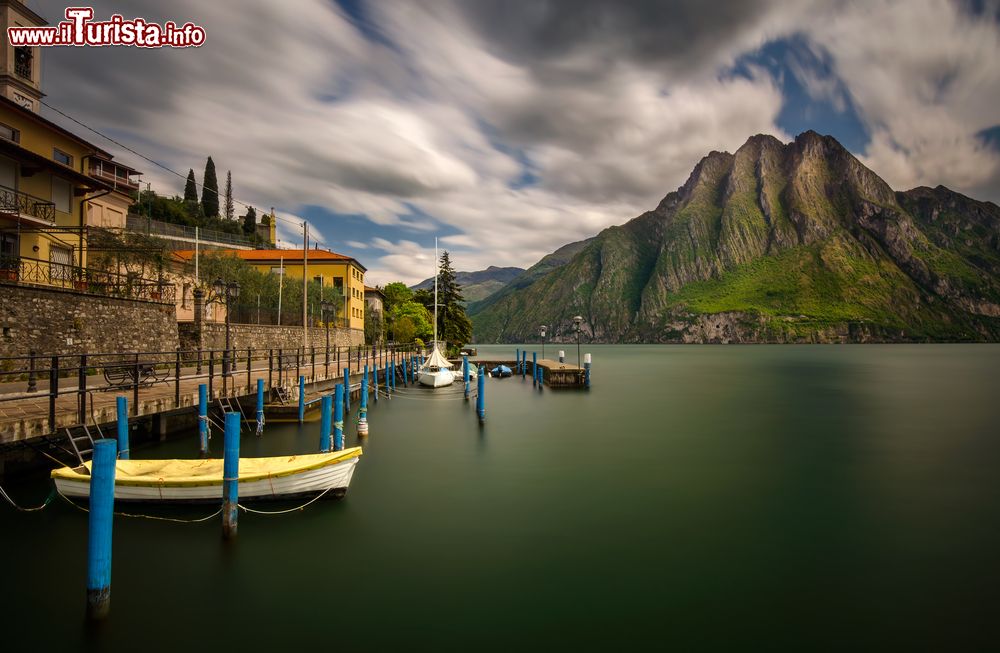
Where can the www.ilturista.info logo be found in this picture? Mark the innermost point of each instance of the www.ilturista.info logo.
(78, 29)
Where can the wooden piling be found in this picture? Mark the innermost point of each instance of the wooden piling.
(302, 399)
(326, 418)
(363, 405)
(100, 520)
(203, 418)
(481, 395)
(122, 415)
(338, 417)
(231, 476)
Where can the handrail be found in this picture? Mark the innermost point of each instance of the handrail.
(16, 201)
(91, 281)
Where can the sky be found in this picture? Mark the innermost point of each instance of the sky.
(507, 129)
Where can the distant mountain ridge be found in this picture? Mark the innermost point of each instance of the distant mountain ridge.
(479, 284)
(795, 242)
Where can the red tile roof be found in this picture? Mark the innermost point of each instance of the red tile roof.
(291, 256)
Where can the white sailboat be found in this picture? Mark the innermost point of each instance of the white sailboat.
(436, 370)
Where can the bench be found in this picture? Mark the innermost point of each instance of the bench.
(123, 376)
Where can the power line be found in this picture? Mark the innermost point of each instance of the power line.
(160, 165)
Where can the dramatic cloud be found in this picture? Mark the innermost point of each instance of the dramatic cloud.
(509, 129)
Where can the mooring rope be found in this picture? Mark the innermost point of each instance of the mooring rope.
(153, 517)
(45, 503)
(284, 512)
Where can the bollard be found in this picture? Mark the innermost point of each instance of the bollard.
(562, 356)
(406, 378)
(122, 410)
(102, 512)
(260, 406)
(524, 364)
(363, 405)
(391, 380)
(302, 399)
(517, 360)
(413, 369)
(326, 417)
(203, 418)
(586, 370)
(375, 381)
(465, 375)
(338, 417)
(231, 476)
(481, 395)
(534, 368)
(347, 391)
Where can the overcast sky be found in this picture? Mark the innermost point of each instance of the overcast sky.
(510, 128)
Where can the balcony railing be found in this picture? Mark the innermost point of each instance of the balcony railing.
(14, 201)
(120, 176)
(30, 271)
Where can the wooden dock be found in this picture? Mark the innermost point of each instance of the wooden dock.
(554, 373)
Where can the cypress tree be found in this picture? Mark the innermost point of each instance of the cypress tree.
(190, 189)
(229, 207)
(250, 222)
(210, 191)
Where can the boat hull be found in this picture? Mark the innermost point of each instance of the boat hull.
(436, 379)
(332, 479)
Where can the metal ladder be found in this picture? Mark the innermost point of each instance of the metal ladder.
(281, 393)
(226, 406)
(85, 439)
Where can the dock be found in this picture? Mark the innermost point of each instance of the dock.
(553, 373)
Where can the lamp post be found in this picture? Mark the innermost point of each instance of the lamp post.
(324, 308)
(577, 321)
(228, 292)
(543, 340)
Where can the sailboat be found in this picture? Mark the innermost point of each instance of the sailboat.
(436, 370)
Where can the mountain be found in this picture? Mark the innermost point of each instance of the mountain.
(479, 284)
(795, 242)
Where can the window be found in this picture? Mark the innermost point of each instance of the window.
(61, 258)
(22, 62)
(62, 193)
(11, 134)
(61, 157)
(318, 279)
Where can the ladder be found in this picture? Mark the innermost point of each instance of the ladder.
(226, 406)
(282, 394)
(83, 445)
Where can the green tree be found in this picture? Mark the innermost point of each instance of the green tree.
(454, 326)
(405, 330)
(417, 315)
(229, 208)
(250, 222)
(191, 205)
(210, 191)
(396, 293)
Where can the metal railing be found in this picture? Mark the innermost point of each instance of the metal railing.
(24, 270)
(15, 201)
(150, 227)
(227, 373)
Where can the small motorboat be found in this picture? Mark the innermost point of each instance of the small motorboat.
(190, 481)
(501, 372)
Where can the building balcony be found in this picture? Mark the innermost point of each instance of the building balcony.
(23, 205)
(121, 177)
(36, 272)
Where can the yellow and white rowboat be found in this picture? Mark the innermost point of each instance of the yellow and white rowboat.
(278, 477)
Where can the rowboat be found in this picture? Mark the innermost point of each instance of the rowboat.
(500, 372)
(191, 481)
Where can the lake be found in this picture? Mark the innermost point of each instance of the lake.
(704, 497)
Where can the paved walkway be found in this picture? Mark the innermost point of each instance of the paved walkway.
(25, 415)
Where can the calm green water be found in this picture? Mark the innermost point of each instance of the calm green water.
(708, 497)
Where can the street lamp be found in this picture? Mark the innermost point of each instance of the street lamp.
(543, 340)
(577, 321)
(227, 292)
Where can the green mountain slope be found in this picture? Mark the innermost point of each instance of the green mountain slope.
(794, 242)
(479, 284)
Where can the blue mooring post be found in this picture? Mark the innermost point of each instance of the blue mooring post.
(260, 406)
(122, 414)
(302, 399)
(203, 418)
(402, 362)
(363, 405)
(390, 380)
(347, 390)
(413, 369)
(534, 368)
(465, 375)
(375, 381)
(481, 395)
(524, 363)
(338, 417)
(325, 424)
(231, 476)
(102, 512)
(586, 371)
(517, 360)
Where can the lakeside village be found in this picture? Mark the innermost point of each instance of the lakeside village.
(106, 284)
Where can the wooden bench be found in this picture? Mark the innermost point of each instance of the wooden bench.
(123, 376)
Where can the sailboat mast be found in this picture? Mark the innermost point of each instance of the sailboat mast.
(435, 294)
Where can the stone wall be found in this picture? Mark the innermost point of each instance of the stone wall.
(261, 336)
(58, 321)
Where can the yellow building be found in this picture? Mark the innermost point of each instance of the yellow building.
(53, 184)
(342, 277)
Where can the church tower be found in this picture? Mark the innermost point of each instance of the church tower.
(20, 67)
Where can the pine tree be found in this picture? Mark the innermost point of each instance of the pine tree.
(250, 222)
(230, 209)
(190, 188)
(454, 326)
(210, 191)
